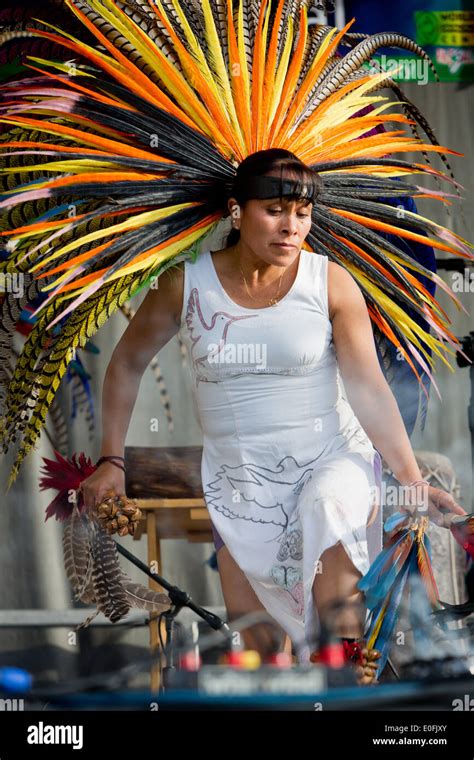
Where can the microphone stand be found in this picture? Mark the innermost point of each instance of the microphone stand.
(179, 599)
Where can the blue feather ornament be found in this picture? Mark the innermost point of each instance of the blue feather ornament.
(407, 556)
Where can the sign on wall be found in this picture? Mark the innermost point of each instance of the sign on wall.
(444, 28)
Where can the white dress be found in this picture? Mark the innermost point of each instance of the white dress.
(287, 470)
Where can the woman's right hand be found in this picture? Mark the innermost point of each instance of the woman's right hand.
(106, 480)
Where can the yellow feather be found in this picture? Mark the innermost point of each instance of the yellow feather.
(133, 222)
(313, 147)
(281, 71)
(378, 625)
(240, 80)
(74, 166)
(340, 107)
(98, 53)
(258, 68)
(204, 82)
(168, 250)
(61, 66)
(173, 80)
(244, 64)
(290, 81)
(195, 49)
(312, 142)
(329, 43)
(407, 326)
(261, 67)
(122, 72)
(270, 63)
(217, 62)
(127, 27)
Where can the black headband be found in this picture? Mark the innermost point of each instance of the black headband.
(266, 186)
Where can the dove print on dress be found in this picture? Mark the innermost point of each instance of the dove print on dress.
(267, 497)
(259, 494)
(207, 333)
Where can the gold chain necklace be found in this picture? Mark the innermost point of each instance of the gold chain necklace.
(274, 300)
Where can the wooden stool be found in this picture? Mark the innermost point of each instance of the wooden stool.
(166, 483)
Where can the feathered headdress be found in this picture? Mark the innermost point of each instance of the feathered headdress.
(120, 156)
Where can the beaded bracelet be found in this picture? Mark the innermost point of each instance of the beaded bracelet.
(427, 483)
(111, 459)
(415, 482)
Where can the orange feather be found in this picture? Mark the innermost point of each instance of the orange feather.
(384, 227)
(291, 80)
(307, 84)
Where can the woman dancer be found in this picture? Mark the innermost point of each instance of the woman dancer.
(291, 465)
(152, 136)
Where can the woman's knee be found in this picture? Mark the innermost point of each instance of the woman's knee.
(337, 577)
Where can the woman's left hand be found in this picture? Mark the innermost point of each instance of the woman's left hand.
(437, 504)
(441, 507)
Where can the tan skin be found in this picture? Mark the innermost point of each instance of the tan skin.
(262, 223)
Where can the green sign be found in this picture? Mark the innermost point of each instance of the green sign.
(448, 37)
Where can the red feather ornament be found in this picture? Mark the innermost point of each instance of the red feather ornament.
(65, 476)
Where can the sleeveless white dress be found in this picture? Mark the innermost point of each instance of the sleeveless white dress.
(287, 470)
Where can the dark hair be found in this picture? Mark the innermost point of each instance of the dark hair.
(265, 161)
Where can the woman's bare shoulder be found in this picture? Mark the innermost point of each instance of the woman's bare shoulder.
(173, 280)
(337, 273)
(165, 295)
(341, 284)
(222, 261)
